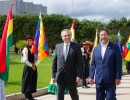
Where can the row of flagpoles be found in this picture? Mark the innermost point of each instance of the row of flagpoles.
(40, 47)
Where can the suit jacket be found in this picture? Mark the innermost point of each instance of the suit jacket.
(72, 67)
(110, 67)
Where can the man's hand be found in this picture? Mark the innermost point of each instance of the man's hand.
(117, 82)
(91, 81)
(53, 80)
(78, 79)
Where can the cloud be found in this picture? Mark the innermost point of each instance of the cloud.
(91, 9)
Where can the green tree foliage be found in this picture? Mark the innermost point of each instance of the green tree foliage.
(55, 23)
(20, 44)
(121, 25)
(2, 23)
(88, 29)
(24, 25)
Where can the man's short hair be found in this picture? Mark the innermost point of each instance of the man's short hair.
(28, 37)
(62, 32)
(106, 30)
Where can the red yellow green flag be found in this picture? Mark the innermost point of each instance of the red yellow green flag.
(5, 44)
(126, 52)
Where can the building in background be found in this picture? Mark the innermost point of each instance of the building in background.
(21, 7)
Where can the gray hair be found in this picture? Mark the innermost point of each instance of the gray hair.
(66, 30)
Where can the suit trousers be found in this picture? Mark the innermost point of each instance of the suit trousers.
(72, 91)
(70, 84)
(105, 91)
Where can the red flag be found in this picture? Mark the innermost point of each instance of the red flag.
(125, 52)
(5, 44)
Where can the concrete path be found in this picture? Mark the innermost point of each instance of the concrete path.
(123, 92)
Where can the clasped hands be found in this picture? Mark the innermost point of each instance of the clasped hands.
(33, 67)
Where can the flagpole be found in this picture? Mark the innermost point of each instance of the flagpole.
(12, 2)
(40, 10)
(72, 8)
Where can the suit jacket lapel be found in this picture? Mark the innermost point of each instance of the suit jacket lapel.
(100, 51)
(61, 50)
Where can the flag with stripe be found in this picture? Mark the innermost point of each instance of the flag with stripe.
(40, 48)
(126, 52)
(96, 40)
(73, 32)
(119, 41)
(5, 44)
(95, 44)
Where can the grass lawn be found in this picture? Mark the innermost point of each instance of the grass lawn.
(16, 69)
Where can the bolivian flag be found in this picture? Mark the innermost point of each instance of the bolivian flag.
(5, 44)
(126, 52)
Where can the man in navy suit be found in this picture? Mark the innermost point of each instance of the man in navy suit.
(106, 67)
(67, 66)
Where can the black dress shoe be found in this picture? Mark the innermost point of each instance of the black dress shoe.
(85, 87)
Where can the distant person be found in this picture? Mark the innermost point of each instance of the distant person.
(86, 59)
(29, 79)
(128, 67)
(16, 49)
(2, 89)
(67, 66)
(106, 66)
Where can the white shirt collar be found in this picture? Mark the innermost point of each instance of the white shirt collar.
(66, 44)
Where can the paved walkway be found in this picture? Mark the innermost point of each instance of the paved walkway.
(123, 92)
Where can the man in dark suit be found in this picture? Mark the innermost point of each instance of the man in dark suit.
(106, 66)
(67, 66)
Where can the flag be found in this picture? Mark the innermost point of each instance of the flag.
(5, 44)
(119, 41)
(96, 40)
(40, 47)
(126, 52)
(95, 44)
(73, 32)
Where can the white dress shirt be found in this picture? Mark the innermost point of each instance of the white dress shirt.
(103, 49)
(25, 57)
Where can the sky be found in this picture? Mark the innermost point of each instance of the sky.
(100, 10)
